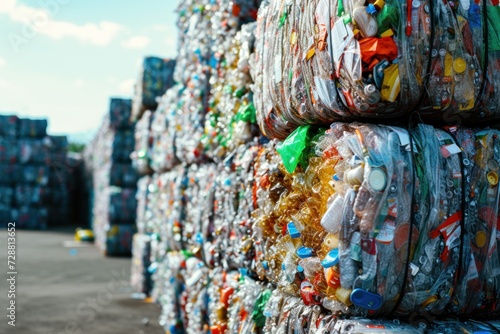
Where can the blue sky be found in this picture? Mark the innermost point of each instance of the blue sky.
(63, 59)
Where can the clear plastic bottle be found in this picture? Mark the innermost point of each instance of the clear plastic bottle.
(365, 22)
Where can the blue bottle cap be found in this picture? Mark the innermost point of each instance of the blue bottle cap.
(300, 269)
(153, 268)
(365, 299)
(199, 238)
(304, 252)
(336, 177)
(283, 266)
(265, 265)
(331, 259)
(483, 332)
(292, 230)
(370, 9)
(243, 272)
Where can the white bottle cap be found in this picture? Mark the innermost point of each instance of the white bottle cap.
(377, 179)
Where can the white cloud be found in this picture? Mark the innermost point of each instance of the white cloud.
(136, 42)
(42, 21)
(126, 87)
(7, 5)
(100, 34)
(2, 61)
(79, 83)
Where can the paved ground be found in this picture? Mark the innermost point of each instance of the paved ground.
(66, 289)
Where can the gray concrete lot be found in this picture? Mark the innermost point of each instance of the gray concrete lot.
(63, 287)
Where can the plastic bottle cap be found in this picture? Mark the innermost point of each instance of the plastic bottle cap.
(283, 266)
(492, 178)
(370, 9)
(336, 177)
(493, 165)
(292, 230)
(377, 179)
(480, 239)
(483, 332)
(459, 65)
(365, 299)
(265, 265)
(304, 252)
(331, 259)
(199, 238)
(300, 269)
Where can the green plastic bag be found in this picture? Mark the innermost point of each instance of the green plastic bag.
(388, 18)
(292, 148)
(298, 148)
(258, 310)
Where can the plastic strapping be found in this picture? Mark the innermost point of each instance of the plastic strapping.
(462, 220)
(486, 51)
(412, 220)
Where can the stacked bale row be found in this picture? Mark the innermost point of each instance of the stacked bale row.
(114, 180)
(34, 167)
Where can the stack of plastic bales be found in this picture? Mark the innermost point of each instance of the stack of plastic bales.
(156, 76)
(114, 180)
(61, 180)
(32, 194)
(25, 165)
(352, 227)
(9, 151)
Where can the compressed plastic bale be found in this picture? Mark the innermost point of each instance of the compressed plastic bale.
(364, 251)
(6, 196)
(120, 113)
(164, 126)
(119, 240)
(141, 156)
(123, 145)
(140, 277)
(144, 187)
(231, 119)
(320, 61)
(27, 217)
(32, 128)
(155, 77)
(31, 195)
(9, 151)
(9, 126)
(122, 206)
(477, 291)
(233, 189)
(9, 174)
(57, 143)
(436, 223)
(122, 175)
(199, 201)
(33, 151)
(375, 182)
(38, 175)
(167, 290)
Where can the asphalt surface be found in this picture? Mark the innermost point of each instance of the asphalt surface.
(66, 288)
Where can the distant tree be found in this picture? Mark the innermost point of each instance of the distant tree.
(76, 147)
